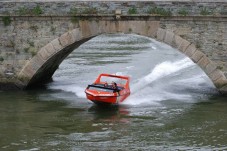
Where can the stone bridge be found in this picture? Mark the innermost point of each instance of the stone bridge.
(33, 46)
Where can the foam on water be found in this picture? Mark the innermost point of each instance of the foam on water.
(171, 74)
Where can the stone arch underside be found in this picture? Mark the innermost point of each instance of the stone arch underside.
(43, 65)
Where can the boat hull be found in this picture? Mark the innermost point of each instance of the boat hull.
(106, 99)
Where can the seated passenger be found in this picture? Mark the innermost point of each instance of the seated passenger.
(105, 84)
(114, 85)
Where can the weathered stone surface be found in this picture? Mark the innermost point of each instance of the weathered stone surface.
(137, 27)
(223, 89)
(24, 34)
(56, 44)
(152, 28)
(36, 62)
(124, 27)
(221, 82)
(215, 75)
(43, 54)
(50, 49)
(169, 37)
(190, 50)
(161, 34)
(203, 62)
(183, 45)
(210, 67)
(197, 56)
(27, 71)
(65, 39)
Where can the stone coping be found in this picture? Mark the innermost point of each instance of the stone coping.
(222, 18)
(203, 1)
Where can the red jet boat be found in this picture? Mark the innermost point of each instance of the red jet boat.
(108, 89)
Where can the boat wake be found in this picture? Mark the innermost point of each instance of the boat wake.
(165, 82)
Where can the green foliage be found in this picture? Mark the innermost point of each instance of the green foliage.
(219, 67)
(31, 43)
(91, 10)
(26, 50)
(26, 11)
(1, 59)
(33, 52)
(183, 12)
(132, 10)
(159, 11)
(37, 10)
(73, 11)
(130, 29)
(198, 45)
(6, 20)
(23, 11)
(204, 11)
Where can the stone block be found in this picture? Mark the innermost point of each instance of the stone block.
(103, 26)
(190, 50)
(152, 28)
(36, 62)
(43, 54)
(76, 35)
(215, 75)
(197, 56)
(118, 12)
(65, 39)
(223, 89)
(111, 26)
(28, 71)
(85, 29)
(50, 49)
(94, 27)
(169, 37)
(56, 44)
(123, 26)
(203, 62)
(177, 40)
(220, 82)
(183, 45)
(210, 68)
(161, 34)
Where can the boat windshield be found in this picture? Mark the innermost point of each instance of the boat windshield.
(113, 79)
(100, 89)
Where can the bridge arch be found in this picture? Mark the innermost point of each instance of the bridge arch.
(43, 65)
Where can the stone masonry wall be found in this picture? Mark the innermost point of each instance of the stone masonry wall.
(109, 7)
(21, 40)
(208, 36)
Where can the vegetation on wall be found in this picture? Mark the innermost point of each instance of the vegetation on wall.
(205, 11)
(28, 11)
(132, 10)
(183, 12)
(6, 20)
(1, 59)
(159, 11)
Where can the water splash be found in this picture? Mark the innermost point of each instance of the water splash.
(151, 89)
(161, 70)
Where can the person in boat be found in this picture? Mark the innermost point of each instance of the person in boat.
(105, 84)
(115, 87)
